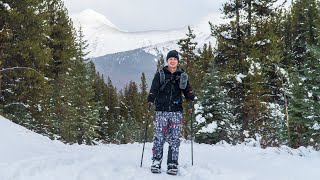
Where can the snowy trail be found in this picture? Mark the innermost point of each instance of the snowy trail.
(25, 155)
(122, 162)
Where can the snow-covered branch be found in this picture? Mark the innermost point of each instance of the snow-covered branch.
(14, 68)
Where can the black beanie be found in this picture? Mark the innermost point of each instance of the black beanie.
(174, 54)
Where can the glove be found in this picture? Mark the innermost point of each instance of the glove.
(149, 106)
(150, 98)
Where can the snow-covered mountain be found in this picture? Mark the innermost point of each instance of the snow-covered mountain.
(124, 55)
(25, 155)
(123, 67)
(105, 38)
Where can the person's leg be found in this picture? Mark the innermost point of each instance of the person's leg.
(174, 131)
(159, 135)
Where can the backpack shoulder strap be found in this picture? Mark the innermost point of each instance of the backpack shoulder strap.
(183, 80)
(162, 76)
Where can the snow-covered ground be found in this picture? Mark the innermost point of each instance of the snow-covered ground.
(25, 155)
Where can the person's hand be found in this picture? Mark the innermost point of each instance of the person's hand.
(149, 105)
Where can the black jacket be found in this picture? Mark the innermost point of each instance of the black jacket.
(170, 99)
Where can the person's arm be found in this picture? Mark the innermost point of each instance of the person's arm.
(155, 86)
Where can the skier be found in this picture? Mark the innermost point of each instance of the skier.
(165, 93)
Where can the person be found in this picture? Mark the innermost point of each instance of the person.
(166, 96)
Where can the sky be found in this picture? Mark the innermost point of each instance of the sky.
(25, 155)
(144, 15)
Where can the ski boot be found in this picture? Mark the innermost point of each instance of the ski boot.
(156, 166)
(172, 169)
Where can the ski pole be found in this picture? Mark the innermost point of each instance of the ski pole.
(145, 134)
(190, 111)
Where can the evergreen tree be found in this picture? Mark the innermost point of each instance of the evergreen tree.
(89, 115)
(216, 121)
(143, 94)
(160, 63)
(187, 51)
(305, 20)
(206, 56)
(82, 113)
(247, 51)
(187, 61)
(305, 17)
(230, 56)
(62, 42)
(100, 97)
(23, 62)
(135, 120)
(112, 106)
(315, 98)
(123, 132)
(4, 38)
(144, 105)
(298, 112)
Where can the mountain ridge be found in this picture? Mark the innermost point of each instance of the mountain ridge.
(105, 38)
(123, 55)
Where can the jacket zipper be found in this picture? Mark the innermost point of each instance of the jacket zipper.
(170, 97)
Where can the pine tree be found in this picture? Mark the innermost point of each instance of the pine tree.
(144, 108)
(112, 106)
(160, 63)
(264, 83)
(216, 121)
(90, 113)
(247, 52)
(187, 61)
(187, 51)
(62, 43)
(206, 56)
(305, 34)
(4, 37)
(23, 65)
(123, 132)
(135, 120)
(100, 97)
(305, 17)
(230, 56)
(298, 112)
(315, 98)
(202, 67)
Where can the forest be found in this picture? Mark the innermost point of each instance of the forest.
(260, 80)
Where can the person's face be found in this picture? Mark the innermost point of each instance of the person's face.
(172, 62)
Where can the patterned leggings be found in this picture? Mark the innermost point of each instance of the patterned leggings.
(171, 123)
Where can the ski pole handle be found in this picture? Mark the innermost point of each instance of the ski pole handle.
(190, 107)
